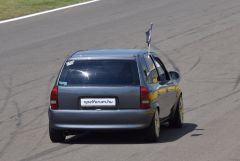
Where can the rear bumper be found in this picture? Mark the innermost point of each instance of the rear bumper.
(100, 120)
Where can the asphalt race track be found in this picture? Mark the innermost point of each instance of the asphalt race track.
(198, 38)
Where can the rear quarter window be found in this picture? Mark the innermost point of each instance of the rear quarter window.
(99, 72)
(152, 75)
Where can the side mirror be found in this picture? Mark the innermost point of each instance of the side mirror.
(175, 76)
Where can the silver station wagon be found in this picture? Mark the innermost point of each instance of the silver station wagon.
(115, 89)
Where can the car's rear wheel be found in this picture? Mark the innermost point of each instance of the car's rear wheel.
(152, 132)
(56, 136)
(177, 119)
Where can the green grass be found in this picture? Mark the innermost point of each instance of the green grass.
(16, 8)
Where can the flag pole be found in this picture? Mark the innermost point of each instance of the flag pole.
(149, 48)
(149, 38)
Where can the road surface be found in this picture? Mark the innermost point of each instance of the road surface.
(198, 38)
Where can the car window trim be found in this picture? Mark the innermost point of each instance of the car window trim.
(163, 67)
(164, 70)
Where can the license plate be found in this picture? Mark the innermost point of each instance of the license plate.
(98, 102)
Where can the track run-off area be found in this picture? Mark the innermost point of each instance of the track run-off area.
(198, 38)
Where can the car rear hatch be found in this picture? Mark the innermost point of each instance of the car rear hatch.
(99, 85)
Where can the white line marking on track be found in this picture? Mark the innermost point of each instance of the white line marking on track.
(48, 11)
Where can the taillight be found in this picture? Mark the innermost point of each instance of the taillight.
(54, 98)
(144, 98)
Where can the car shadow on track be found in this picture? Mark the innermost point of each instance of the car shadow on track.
(130, 137)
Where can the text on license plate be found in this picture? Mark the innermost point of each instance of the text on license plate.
(90, 102)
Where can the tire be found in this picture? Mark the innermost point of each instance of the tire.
(177, 119)
(153, 131)
(56, 136)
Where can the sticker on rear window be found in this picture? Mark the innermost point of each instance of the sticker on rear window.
(70, 63)
(62, 83)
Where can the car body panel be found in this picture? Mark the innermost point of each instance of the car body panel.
(100, 119)
(127, 97)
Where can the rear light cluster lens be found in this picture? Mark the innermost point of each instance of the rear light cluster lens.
(144, 98)
(54, 98)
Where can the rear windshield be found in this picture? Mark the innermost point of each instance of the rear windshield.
(99, 72)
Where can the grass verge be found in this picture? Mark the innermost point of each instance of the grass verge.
(15, 8)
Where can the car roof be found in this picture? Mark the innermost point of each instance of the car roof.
(108, 53)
